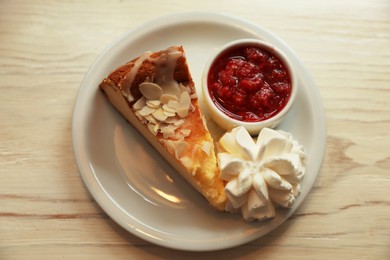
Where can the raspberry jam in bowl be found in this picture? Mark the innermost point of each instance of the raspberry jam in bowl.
(249, 83)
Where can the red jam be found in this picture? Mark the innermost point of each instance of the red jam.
(249, 84)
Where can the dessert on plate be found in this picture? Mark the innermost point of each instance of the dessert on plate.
(156, 94)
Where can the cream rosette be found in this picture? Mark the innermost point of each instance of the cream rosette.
(261, 174)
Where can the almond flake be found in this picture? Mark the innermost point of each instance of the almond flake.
(185, 132)
(138, 116)
(151, 128)
(180, 139)
(139, 104)
(172, 89)
(171, 120)
(150, 90)
(181, 148)
(185, 88)
(178, 136)
(173, 104)
(165, 98)
(178, 122)
(146, 111)
(169, 114)
(185, 100)
(156, 128)
(168, 108)
(168, 130)
(159, 114)
(151, 119)
(168, 127)
(182, 112)
(153, 103)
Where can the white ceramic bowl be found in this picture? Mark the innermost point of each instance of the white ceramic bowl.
(226, 122)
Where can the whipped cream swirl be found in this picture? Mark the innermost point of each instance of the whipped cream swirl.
(260, 174)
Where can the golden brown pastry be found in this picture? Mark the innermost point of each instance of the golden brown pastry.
(156, 94)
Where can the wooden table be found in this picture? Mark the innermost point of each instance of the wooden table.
(46, 48)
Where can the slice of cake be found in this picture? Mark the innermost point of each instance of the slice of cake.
(156, 94)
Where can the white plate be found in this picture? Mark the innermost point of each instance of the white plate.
(130, 180)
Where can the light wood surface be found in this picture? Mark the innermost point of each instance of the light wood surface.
(46, 48)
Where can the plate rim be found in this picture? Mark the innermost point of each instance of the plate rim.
(94, 186)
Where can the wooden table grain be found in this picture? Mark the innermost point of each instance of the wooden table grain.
(46, 48)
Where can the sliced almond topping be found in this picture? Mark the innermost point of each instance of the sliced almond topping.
(169, 114)
(146, 111)
(181, 148)
(185, 132)
(168, 130)
(206, 147)
(159, 106)
(182, 112)
(178, 122)
(151, 119)
(171, 120)
(168, 127)
(165, 98)
(156, 128)
(153, 103)
(178, 136)
(159, 114)
(173, 104)
(185, 100)
(184, 88)
(151, 128)
(180, 139)
(172, 89)
(139, 116)
(168, 134)
(150, 90)
(139, 104)
(168, 108)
